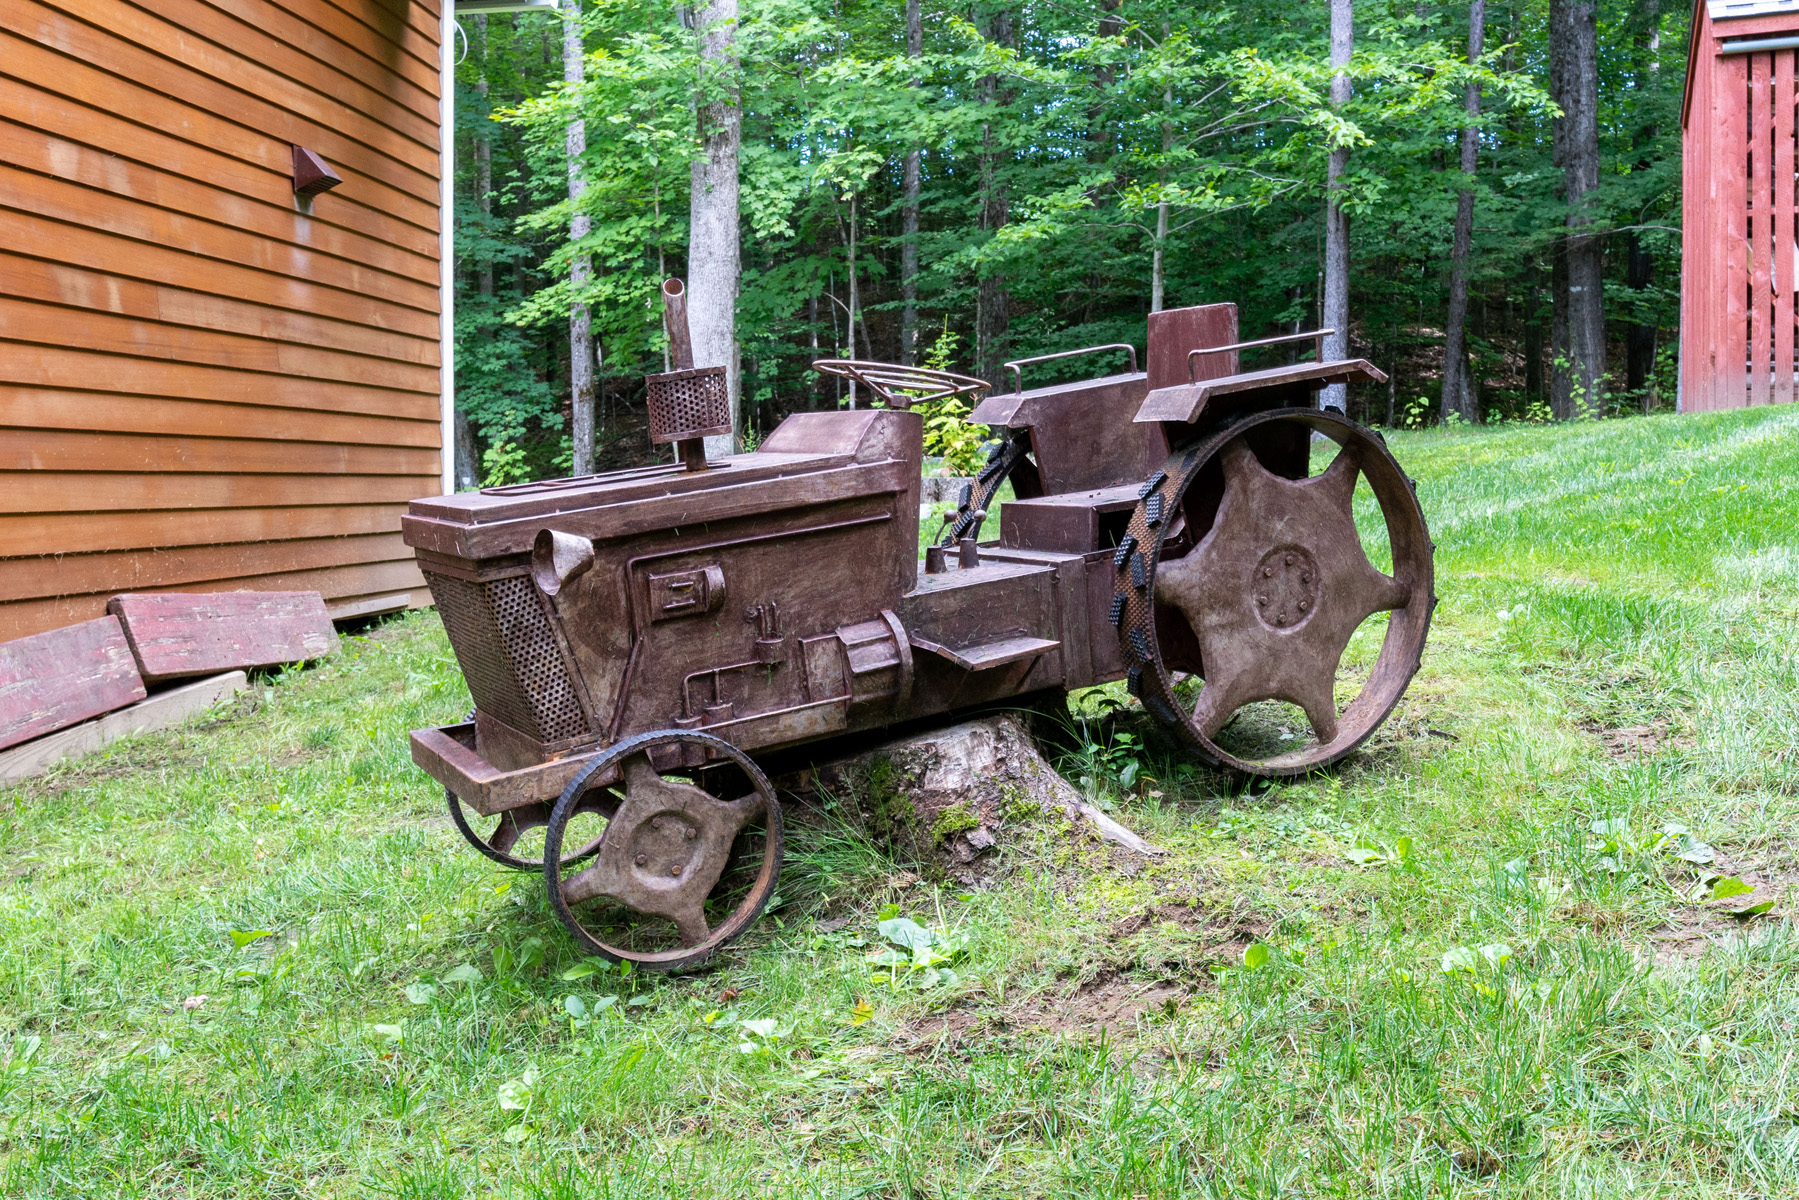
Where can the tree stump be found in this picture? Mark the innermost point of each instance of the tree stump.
(943, 798)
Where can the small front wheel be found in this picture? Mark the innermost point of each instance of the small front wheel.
(688, 859)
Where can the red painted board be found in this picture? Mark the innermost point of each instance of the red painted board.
(175, 634)
(1761, 235)
(56, 679)
(1174, 331)
(1782, 227)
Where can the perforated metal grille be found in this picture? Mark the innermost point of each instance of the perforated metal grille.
(687, 404)
(508, 655)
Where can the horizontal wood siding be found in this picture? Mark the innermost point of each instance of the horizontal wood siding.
(203, 387)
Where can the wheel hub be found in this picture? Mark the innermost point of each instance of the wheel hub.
(1285, 584)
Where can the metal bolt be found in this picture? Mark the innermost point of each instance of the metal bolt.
(692, 833)
(1281, 620)
(655, 822)
(1267, 572)
(642, 858)
(1261, 600)
(1289, 560)
(675, 871)
(1303, 605)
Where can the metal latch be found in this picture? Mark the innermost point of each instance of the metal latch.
(686, 593)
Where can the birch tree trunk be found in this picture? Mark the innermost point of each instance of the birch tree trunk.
(909, 208)
(1458, 390)
(580, 269)
(993, 316)
(1157, 277)
(713, 251)
(1336, 221)
(1574, 76)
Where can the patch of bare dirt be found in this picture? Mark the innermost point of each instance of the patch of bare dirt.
(1109, 1004)
(1638, 741)
(1688, 931)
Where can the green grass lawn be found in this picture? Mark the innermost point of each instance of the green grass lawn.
(1480, 964)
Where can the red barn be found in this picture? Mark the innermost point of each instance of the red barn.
(1740, 254)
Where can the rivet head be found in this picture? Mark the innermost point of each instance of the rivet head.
(1267, 572)
(1261, 600)
(1289, 560)
(642, 858)
(1281, 620)
(1304, 604)
(675, 871)
(692, 833)
(655, 822)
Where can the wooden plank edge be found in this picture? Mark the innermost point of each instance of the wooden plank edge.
(161, 710)
(373, 606)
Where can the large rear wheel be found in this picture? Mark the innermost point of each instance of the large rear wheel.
(1246, 571)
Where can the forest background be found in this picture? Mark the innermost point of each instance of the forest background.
(1072, 166)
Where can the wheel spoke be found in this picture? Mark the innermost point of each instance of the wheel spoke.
(515, 822)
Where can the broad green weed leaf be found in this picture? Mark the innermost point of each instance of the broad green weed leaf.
(466, 973)
(243, 937)
(1255, 956)
(515, 1095)
(1727, 887)
(574, 1006)
(1752, 910)
(762, 1028)
(1460, 958)
(421, 993)
(1496, 953)
(1361, 856)
(862, 1014)
(904, 931)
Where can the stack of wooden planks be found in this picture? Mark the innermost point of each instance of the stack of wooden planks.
(72, 690)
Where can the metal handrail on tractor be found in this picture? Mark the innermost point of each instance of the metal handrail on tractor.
(1016, 365)
(1315, 336)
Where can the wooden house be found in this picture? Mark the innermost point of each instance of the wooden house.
(1740, 252)
(219, 368)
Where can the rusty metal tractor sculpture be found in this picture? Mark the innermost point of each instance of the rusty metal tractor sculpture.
(632, 639)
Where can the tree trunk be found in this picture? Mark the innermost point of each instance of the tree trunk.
(1574, 83)
(1458, 391)
(992, 301)
(1640, 336)
(1533, 337)
(483, 159)
(1561, 374)
(713, 250)
(812, 326)
(1157, 277)
(850, 312)
(909, 208)
(1336, 221)
(580, 268)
